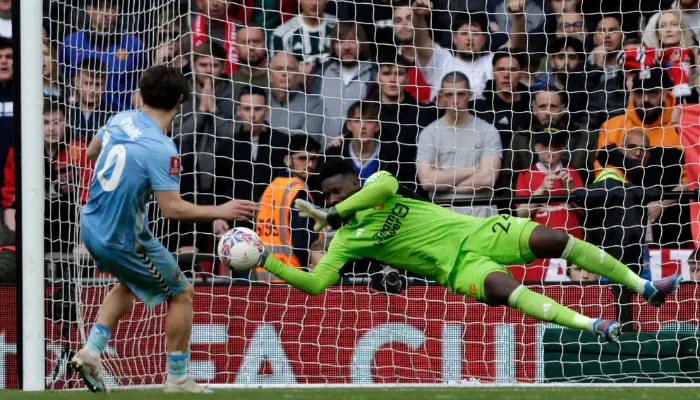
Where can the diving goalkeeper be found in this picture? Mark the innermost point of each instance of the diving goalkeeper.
(385, 222)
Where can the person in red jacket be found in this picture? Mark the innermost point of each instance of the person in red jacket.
(67, 174)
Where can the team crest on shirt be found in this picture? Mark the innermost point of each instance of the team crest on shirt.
(174, 165)
(379, 207)
(122, 54)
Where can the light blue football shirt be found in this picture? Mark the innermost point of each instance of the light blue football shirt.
(136, 159)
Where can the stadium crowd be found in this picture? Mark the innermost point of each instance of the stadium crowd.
(459, 100)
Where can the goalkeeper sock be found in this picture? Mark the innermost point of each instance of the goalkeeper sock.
(97, 341)
(177, 365)
(545, 309)
(592, 259)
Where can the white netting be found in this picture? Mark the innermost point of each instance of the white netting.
(540, 97)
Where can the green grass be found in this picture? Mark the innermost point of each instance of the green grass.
(582, 393)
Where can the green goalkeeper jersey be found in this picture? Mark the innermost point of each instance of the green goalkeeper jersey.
(388, 225)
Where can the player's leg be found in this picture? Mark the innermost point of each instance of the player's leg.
(178, 320)
(545, 242)
(501, 289)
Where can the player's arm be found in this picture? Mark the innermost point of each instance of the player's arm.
(174, 207)
(94, 149)
(325, 274)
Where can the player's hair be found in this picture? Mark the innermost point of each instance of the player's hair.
(209, 49)
(5, 43)
(367, 110)
(163, 87)
(336, 166)
(454, 78)
(301, 142)
(385, 59)
(252, 90)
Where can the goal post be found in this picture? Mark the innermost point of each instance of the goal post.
(250, 333)
(29, 125)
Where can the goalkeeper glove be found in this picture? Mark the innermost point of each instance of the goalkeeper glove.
(324, 216)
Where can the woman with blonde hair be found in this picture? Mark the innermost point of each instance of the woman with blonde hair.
(668, 31)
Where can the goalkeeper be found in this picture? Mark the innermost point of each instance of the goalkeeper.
(385, 222)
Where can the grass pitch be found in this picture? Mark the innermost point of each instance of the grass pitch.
(520, 393)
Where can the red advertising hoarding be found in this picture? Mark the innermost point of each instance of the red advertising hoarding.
(263, 334)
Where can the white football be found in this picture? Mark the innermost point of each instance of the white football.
(240, 249)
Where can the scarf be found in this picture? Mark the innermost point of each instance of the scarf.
(675, 61)
(199, 36)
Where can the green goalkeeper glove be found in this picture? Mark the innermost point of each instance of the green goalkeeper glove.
(324, 216)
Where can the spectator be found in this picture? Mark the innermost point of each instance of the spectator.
(213, 93)
(470, 44)
(693, 265)
(345, 78)
(53, 80)
(572, 24)
(550, 176)
(122, 53)
(577, 274)
(411, 32)
(273, 13)
(317, 250)
(6, 19)
(691, 13)
(285, 234)
(668, 31)
(362, 147)
(608, 39)
(307, 35)
(252, 59)
(216, 23)
(67, 176)
(375, 17)
(6, 100)
(506, 106)
(86, 113)
(459, 155)
(170, 48)
(504, 14)
(259, 151)
(402, 117)
(291, 110)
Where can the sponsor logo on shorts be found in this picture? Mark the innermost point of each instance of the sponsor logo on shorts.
(392, 224)
(472, 289)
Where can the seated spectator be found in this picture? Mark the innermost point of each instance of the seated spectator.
(550, 176)
(285, 234)
(307, 35)
(375, 17)
(291, 110)
(668, 31)
(693, 265)
(577, 274)
(402, 117)
(362, 146)
(470, 44)
(252, 59)
(86, 112)
(6, 99)
(690, 9)
(345, 78)
(216, 22)
(318, 249)
(459, 155)
(259, 151)
(608, 39)
(123, 54)
(572, 24)
(213, 92)
(412, 34)
(567, 73)
(6, 19)
(67, 172)
(506, 106)
(53, 80)
(170, 47)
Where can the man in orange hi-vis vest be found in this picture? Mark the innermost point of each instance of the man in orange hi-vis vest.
(286, 235)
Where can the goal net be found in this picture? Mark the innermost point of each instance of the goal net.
(565, 103)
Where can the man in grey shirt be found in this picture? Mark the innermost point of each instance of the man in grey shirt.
(459, 155)
(291, 110)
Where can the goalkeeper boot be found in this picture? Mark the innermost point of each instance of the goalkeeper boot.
(89, 366)
(610, 330)
(655, 292)
(187, 385)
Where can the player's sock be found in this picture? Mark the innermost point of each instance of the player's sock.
(592, 259)
(177, 365)
(543, 308)
(97, 341)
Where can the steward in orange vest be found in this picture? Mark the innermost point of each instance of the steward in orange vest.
(286, 235)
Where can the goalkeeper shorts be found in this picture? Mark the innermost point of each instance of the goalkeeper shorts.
(500, 240)
(151, 273)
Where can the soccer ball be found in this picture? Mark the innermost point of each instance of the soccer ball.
(240, 249)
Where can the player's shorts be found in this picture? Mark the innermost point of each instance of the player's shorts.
(151, 273)
(498, 241)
